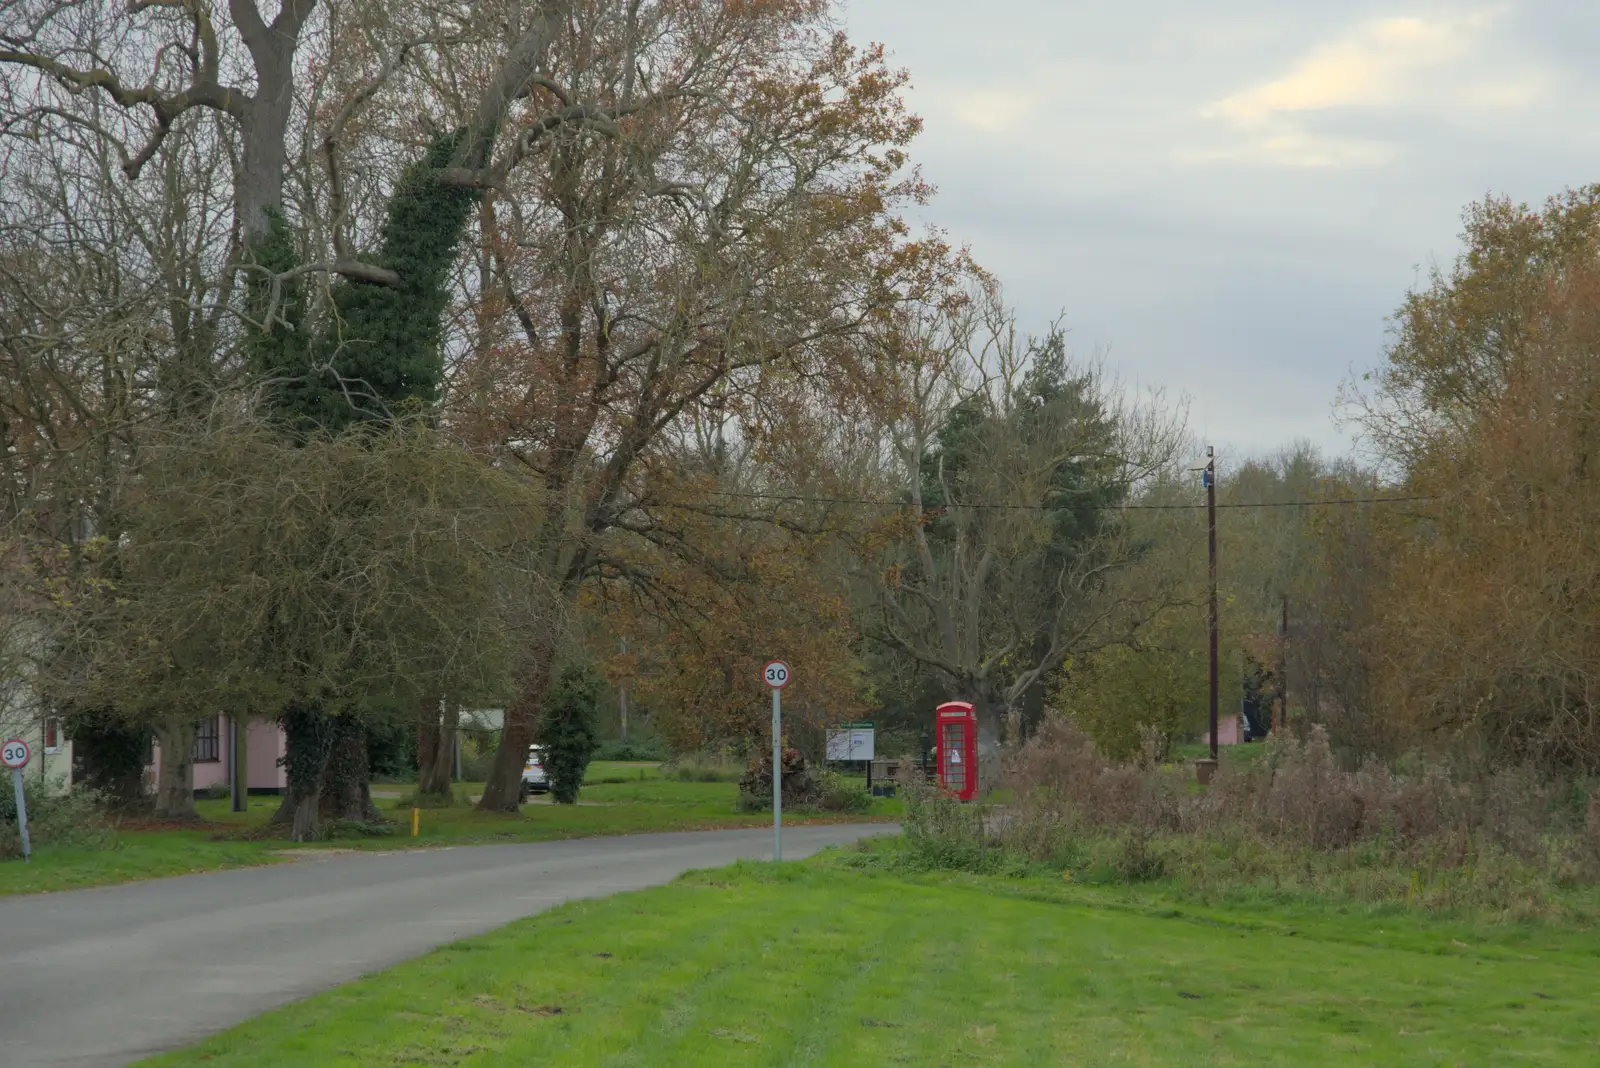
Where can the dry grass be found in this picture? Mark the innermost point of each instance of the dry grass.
(1507, 839)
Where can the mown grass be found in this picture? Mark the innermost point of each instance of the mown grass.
(617, 799)
(819, 964)
(131, 855)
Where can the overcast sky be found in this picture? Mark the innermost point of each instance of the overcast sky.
(1230, 196)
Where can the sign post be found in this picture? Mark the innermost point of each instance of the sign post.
(776, 675)
(14, 755)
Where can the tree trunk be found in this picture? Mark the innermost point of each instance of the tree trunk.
(175, 781)
(307, 734)
(1013, 735)
(264, 123)
(991, 710)
(504, 789)
(436, 734)
(345, 789)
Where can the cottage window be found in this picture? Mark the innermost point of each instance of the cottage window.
(52, 734)
(208, 741)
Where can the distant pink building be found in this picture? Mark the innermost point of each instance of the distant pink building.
(213, 762)
(1230, 731)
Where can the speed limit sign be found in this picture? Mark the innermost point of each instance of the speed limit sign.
(777, 674)
(14, 754)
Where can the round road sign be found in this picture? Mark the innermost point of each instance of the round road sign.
(776, 674)
(14, 754)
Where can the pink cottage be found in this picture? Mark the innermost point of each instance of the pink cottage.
(213, 762)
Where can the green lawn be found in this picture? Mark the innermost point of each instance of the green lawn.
(1245, 754)
(817, 964)
(641, 802)
(132, 855)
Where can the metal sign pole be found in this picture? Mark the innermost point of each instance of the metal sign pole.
(14, 754)
(777, 775)
(22, 814)
(776, 675)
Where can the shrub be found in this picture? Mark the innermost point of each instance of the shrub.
(1134, 700)
(1139, 862)
(841, 793)
(634, 751)
(76, 818)
(392, 749)
(568, 731)
(113, 756)
(942, 833)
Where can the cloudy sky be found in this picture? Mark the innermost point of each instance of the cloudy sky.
(1229, 196)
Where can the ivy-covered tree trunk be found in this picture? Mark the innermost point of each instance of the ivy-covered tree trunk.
(345, 792)
(307, 737)
(175, 776)
(568, 732)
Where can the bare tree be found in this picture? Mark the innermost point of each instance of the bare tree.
(114, 299)
(1013, 463)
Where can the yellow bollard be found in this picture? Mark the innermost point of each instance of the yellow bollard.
(416, 817)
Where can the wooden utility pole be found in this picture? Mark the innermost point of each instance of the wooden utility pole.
(622, 693)
(1283, 667)
(1211, 537)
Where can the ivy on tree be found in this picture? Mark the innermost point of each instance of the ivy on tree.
(568, 731)
(379, 350)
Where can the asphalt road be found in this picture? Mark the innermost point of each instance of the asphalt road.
(106, 976)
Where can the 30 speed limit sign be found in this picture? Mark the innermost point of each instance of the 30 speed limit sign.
(14, 754)
(777, 674)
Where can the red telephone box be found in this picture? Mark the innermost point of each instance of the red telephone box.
(958, 748)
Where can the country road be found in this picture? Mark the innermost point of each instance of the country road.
(106, 976)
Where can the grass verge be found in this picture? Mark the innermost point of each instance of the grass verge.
(820, 964)
(618, 799)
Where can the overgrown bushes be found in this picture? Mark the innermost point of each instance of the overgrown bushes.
(76, 819)
(1294, 822)
(1297, 796)
(841, 793)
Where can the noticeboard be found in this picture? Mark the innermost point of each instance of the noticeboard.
(852, 741)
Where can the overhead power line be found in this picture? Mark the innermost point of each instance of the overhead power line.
(798, 498)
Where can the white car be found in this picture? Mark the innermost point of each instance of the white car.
(534, 779)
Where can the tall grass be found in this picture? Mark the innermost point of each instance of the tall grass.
(1293, 823)
(703, 767)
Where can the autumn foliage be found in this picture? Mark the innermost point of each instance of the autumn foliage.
(1483, 624)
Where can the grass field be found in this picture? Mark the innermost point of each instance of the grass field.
(816, 964)
(636, 799)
